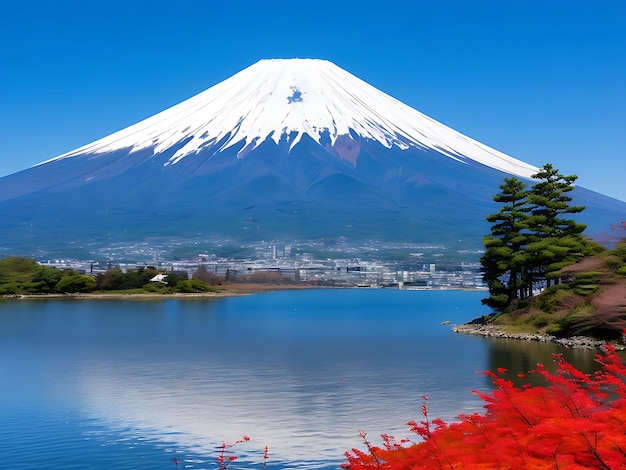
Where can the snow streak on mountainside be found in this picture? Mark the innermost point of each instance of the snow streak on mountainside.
(285, 99)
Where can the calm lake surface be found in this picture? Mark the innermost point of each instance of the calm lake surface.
(131, 384)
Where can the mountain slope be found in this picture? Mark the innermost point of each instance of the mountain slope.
(286, 150)
(286, 99)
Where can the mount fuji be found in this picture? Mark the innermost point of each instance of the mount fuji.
(284, 150)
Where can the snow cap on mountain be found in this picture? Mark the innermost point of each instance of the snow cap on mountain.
(285, 99)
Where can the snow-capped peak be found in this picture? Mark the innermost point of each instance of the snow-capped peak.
(293, 97)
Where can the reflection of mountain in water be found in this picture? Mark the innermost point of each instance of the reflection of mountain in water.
(301, 371)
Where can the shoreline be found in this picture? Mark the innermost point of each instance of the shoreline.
(228, 291)
(225, 291)
(493, 331)
(118, 296)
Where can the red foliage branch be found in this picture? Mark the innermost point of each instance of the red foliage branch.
(225, 460)
(576, 421)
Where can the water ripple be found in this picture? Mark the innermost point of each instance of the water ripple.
(133, 385)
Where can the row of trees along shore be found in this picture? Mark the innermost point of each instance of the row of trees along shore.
(532, 238)
(20, 276)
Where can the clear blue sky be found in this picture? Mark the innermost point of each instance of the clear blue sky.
(541, 80)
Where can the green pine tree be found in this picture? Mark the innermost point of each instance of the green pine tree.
(532, 237)
(504, 260)
(556, 239)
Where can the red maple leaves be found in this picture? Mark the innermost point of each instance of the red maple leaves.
(574, 421)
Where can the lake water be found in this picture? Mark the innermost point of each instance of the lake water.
(131, 384)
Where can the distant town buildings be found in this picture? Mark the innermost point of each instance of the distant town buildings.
(296, 265)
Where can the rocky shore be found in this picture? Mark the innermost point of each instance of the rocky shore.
(493, 331)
